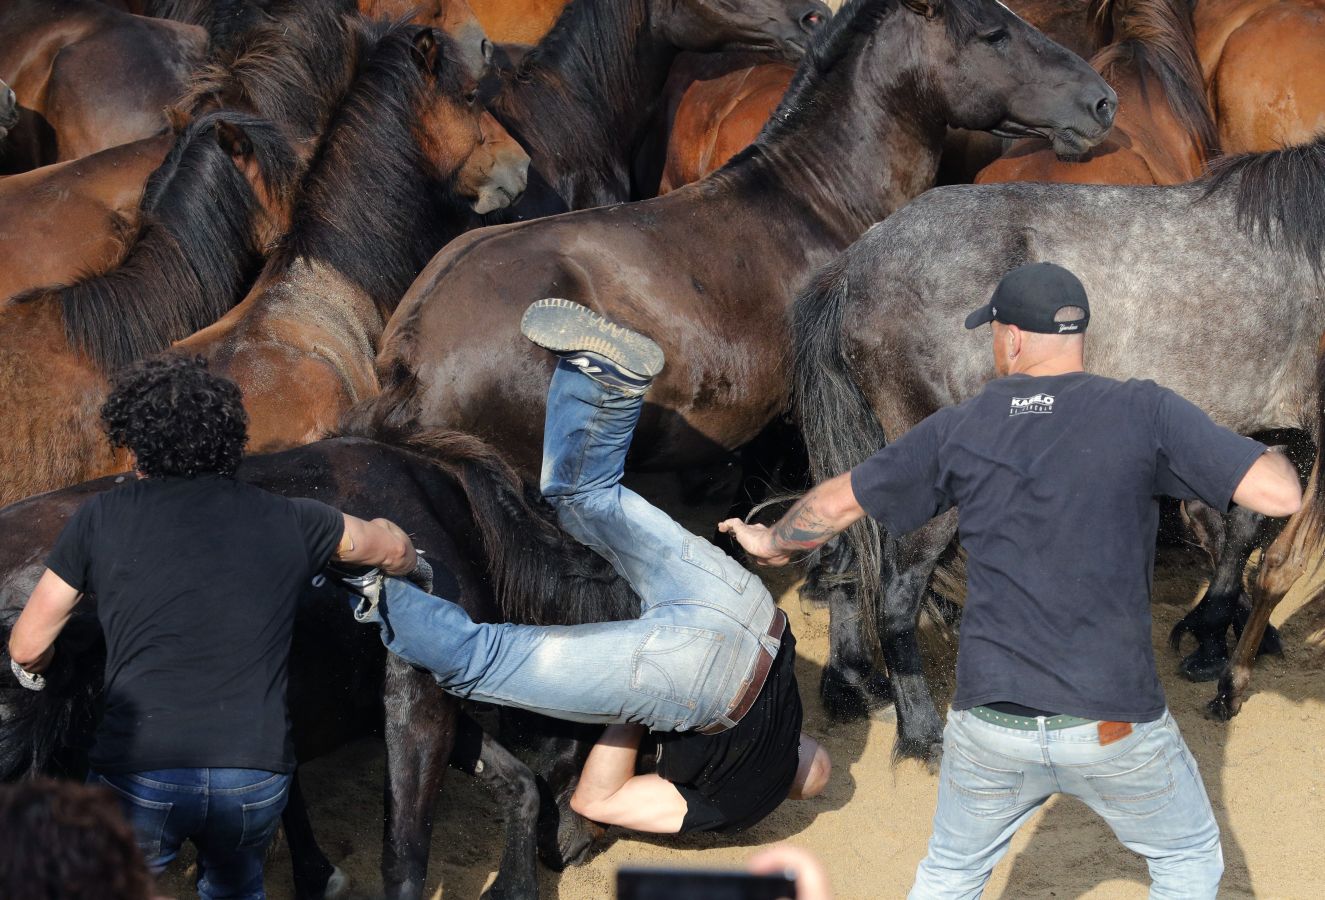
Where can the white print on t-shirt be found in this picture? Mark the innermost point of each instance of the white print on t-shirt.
(1040, 403)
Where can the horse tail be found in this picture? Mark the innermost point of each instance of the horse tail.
(539, 574)
(835, 417)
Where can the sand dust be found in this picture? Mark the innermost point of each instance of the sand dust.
(1263, 773)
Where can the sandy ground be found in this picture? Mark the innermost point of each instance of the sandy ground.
(1263, 773)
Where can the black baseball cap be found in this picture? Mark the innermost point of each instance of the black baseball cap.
(1030, 296)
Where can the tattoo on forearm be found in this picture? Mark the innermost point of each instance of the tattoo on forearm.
(802, 528)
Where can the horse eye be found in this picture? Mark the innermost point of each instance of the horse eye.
(997, 36)
(471, 97)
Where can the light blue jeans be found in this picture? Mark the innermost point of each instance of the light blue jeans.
(1145, 786)
(703, 617)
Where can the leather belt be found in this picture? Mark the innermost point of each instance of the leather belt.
(746, 699)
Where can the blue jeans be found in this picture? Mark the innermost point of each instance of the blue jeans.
(703, 617)
(229, 814)
(1145, 786)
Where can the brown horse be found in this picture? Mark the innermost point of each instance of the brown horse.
(583, 100)
(406, 160)
(88, 77)
(208, 214)
(709, 271)
(69, 219)
(1265, 70)
(1164, 131)
(453, 17)
(717, 110)
(518, 21)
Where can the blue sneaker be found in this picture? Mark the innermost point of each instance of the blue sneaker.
(607, 353)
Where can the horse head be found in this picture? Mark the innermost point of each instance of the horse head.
(993, 72)
(702, 26)
(463, 144)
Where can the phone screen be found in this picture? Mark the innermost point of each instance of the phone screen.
(700, 884)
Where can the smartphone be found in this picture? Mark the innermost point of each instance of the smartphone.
(702, 884)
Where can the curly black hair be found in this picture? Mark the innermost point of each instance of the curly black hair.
(64, 839)
(177, 418)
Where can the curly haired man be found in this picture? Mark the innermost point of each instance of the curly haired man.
(196, 577)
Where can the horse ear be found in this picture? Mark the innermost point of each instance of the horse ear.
(425, 48)
(927, 8)
(233, 140)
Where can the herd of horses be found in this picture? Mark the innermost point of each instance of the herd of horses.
(345, 206)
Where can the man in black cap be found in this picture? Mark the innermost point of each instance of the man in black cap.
(1056, 473)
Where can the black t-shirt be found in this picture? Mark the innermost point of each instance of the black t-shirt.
(735, 778)
(1056, 480)
(196, 582)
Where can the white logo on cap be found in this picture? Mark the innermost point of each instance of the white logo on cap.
(1068, 326)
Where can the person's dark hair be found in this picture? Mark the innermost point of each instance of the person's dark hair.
(177, 418)
(64, 839)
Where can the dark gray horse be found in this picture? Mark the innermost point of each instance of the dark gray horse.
(1212, 288)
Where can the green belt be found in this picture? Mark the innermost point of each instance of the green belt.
(1026, 723)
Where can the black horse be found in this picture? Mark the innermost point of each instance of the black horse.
(493, 548)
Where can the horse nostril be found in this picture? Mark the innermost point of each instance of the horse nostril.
(1104, 109)
(811, 20)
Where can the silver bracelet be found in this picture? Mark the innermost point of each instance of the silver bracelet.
(27, 679)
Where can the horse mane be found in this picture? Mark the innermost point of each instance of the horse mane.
(366, 208)
(1155, 38)
(290, 67)
(540, 575)
(1279, 196)
(193, 255)
(580, 68)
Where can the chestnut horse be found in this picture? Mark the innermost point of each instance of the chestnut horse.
(208, 214)
(518, 21)
(582, 100)
(88, 77)
(1164, 131)
(709, 271)
(69, 219)
(494, 549)
(408, 157)
(1264, 63)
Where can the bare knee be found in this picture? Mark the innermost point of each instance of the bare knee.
(813, 772)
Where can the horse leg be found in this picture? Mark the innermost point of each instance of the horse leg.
(420, 733)
(315, 878)
(851, 687)
(1295, 550)
(907, 567)
(479, 754)
(1228, 540)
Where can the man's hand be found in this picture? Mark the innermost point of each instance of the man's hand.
(381, 543)
(757, 541)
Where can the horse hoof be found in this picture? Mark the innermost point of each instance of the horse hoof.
(925, 749)
(338, 885)
(1202, 666)
(1220, 709)
(847, 700)
(496, 892)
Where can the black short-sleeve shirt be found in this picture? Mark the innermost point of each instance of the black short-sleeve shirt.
(735, 778)
(196, 583)
(1056, 481)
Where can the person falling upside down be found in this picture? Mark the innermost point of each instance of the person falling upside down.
(708, 665)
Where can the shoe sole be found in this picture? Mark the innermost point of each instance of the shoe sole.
(564, 326)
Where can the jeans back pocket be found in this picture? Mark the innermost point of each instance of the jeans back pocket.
(261, 816)
(981, 790)
(1142, 790)
(146, 816)
(673, 662)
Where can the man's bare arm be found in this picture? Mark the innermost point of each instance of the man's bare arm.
(811, 522)
(32, 640)
(1270, 486)
(379, 543)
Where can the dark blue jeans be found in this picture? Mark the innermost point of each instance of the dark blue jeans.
(229, 814)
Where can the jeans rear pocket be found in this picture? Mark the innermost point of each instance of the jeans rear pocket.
(148, 817)
(1139, 791)
(703, 555)
(981, 790)
(673, 661)
(262, 816)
